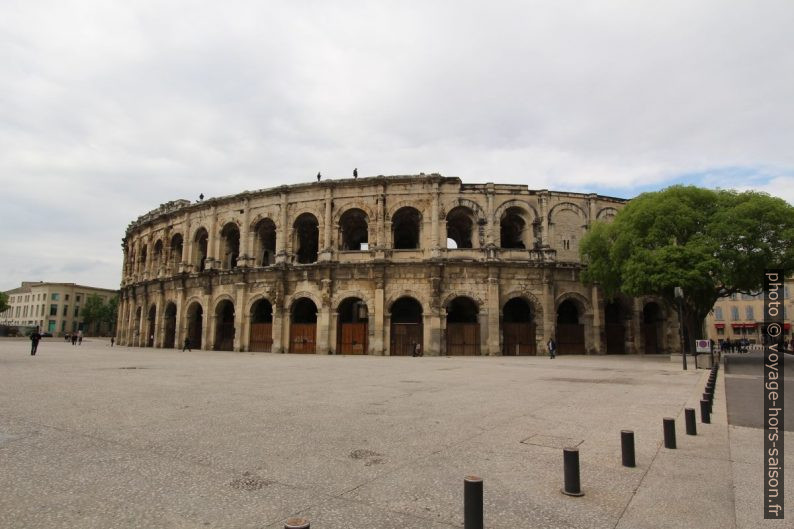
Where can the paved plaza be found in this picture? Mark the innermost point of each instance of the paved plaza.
(99, 437)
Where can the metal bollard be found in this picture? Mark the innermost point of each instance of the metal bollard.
(705, 415)
(691, 425)
(297, 523)
(669, 432)
(573, 486)
(472, 503)
(627, 448)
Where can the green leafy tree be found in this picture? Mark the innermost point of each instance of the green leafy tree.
(110, 313)
(93, 311)
(710, 243)
(3, 302)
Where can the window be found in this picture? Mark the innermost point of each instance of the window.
(734, 313)
(66, 310)
(55, 296)
(749, 313)
(77, 298)
(66, 297)
(53, 310)
(718, 313)
(720, 331)
(76, 310)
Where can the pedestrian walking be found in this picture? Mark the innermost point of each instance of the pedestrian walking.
(552, 347)
(112, 340)
(186, 345)
(74, 339)
(80, 337)
(35, 337)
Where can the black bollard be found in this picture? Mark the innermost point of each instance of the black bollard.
(705, 415)
(669, 432)
(472, 503)
(627, 448)
(573, 486)
(691, 425)
(297, 523)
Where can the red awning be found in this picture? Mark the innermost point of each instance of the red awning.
(719, 325)
(787, 326)
(737, 325)
(750, 325)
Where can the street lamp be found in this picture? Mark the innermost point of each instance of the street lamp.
(678, 292)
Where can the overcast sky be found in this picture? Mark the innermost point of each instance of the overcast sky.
(108, 109)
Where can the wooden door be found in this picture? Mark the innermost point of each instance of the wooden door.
(570, 338)
(518, 339)
(224, 340)
(353, 339)
(261, 339)
(302, 337)
(194, 333)
(170, 333)
(616, 338)
(463, 339)
(404, 336)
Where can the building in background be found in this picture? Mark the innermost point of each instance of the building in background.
(742, 316)
(53, 307)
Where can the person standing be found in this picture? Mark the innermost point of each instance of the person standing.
(552, 347)
(80, 337)
(74, 339)
(112, 340)
(35, 337)
(186, 345)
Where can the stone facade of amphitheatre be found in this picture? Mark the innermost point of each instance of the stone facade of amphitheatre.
(392, 265)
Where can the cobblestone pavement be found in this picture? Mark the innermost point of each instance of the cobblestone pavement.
(101, 437)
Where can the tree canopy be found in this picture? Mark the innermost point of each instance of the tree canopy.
(711, 243)
(3, 302)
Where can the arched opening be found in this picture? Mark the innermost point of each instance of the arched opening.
(265, 242)
(261, 339)
(463, 327)
(460, 227)
(152, 318)
(652, 320)
(303, 326)
(513, 229)
(224, 326)
(200, 250)
(518, 328)
(158, 256)
(195, 322)
(176, 251)
(615, 328)
(142, 260)
(352, 328)
(307, 233)
(570, 332)
(407, 336)
(354, 230)
(169, 326)
(406, 228)
(230, 238)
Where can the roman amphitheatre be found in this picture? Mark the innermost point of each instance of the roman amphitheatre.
(384, 265)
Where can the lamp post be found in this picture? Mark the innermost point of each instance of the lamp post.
(678, 292)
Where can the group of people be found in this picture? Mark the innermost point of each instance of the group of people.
(75, 338)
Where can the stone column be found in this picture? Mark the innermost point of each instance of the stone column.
(158, 319)
(142, 330)
(206, 322)
(489, 213)
(543, 198)
(432, 334)
(179, 330)
(598, 325)
(283, 233)
(213, 241)
(493, 309)
(377, 317)
(549, 314)
(279, 331)
(434, 244)
(324, 319)
(325, 253)
(240, 320)
(187, 248)
(246, 249)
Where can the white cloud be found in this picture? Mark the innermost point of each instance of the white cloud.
(109, 109)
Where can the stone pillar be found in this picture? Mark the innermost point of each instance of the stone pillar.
(240, 320)
(246, 249)
(543, 198)
(489, 215)
(158, 319)
(280, 318)
(483, 320)
(284, 232)
(595, 299)
(434, 228)
(549, 314)
(324, 319)
(325, 252)
(493, 310)
(213, 241)
(187, 247)
(179, 330)
(142, 330)
(432, 334)
(206, 322)
(378, 317)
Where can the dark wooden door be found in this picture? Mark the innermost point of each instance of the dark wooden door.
(518, 339)
(170, 333)
(570, 338)
(463, 339)
(616, 338)
(651, 338)
(404, 336)
(194, 334)
(261, 337)
(302, 337)
(353, 339)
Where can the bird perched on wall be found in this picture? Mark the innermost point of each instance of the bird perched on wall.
(201, 196)
(319, 176)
